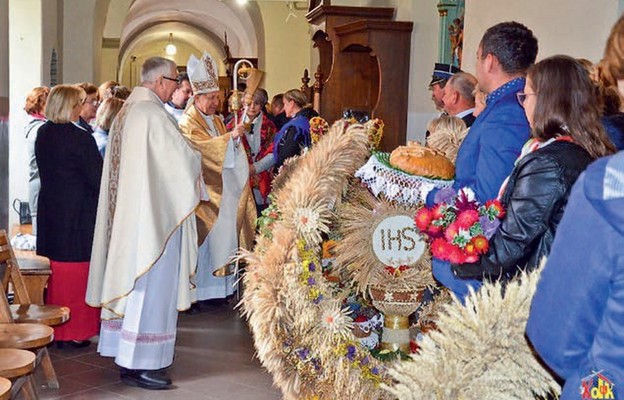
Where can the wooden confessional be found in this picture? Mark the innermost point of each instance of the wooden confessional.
(364, 58)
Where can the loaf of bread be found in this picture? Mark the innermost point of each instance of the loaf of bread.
(419, 160)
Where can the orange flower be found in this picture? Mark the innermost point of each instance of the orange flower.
(470, 249)
(328, 248)
(481, 244)
(496, 206)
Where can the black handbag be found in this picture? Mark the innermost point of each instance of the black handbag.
(23, 210)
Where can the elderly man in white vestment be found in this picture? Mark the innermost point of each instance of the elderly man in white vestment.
(228, 220)
(145, 245)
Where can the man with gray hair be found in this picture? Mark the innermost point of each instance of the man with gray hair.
(145, 244)
(459, 98)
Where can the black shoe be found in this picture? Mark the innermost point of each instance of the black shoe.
(146, 379)
(195, 309)
(79, 344)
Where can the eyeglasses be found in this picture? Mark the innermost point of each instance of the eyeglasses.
(176, 80)
(95, 103)
(521, 96)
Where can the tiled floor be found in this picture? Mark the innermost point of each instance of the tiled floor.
(214, 361)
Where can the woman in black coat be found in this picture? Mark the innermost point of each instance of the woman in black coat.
(70, 168)
(561, 106)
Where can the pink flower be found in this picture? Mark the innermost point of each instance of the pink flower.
(423, 219)
(436, 212)
(435, 230)
(456, 256)
(439, 248)
(451, 231)
(471, 259)
(467, 218)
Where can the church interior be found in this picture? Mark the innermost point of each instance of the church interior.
(349, 57)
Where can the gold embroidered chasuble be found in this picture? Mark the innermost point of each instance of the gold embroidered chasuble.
(143, 201)
(214, 150)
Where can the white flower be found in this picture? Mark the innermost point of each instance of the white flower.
(309, 223)
(306, 220)
(335, 322)
(470, 195)
(389, 296)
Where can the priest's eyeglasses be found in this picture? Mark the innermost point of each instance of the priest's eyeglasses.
(176, 80)
(521, 96)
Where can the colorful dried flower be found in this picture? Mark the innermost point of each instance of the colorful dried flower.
(458, 230)
(423, 219)
(481, 244)
(467, 218)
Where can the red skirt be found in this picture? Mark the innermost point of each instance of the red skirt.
(67, 287)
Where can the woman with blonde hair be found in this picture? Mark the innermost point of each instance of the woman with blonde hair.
(105, 89)
(35, 108)
(70, 168)
(103, 121)
(446, 134)
(577, 313)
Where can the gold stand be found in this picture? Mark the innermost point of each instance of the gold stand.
(396, 322)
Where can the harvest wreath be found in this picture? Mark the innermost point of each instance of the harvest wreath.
(304, 335)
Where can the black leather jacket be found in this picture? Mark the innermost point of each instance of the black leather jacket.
(535, 198)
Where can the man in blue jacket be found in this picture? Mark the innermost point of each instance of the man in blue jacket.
(487, 154)
(577, 315)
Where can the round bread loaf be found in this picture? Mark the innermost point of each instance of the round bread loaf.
(419, 160)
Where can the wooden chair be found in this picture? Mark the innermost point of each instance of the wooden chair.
(18, 365)
(24, 312)
(5, 389)
(33, 337)
(36, 332)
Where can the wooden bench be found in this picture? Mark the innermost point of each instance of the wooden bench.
(35, 269)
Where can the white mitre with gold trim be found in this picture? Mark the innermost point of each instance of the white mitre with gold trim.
(203, 74)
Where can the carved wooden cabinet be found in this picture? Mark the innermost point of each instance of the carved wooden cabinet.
(364, 59)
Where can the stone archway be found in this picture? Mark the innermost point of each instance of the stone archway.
(210, 18)
(152, 41)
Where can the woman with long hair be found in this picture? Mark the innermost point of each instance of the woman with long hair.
(560, 104)
(295, 134)
(70, 168)
(577, 313)
(106, 113)
(35, 108)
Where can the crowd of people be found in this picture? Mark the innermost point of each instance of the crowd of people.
(544, 142)
(134, 193)
(137, 197)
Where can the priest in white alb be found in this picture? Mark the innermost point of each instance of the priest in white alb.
(145, 245)
(228, 220)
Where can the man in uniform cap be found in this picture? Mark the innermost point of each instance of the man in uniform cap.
(441, 74)
(227, 221)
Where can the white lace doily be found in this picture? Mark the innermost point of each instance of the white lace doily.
(397, 185)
